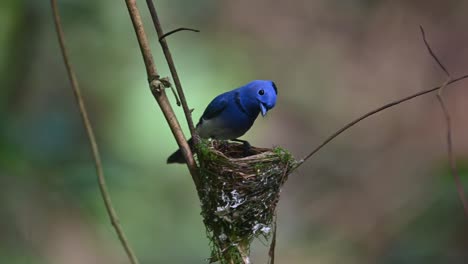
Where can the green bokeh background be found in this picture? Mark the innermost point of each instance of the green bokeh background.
(381, 193)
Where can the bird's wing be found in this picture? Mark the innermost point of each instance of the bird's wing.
(215, 107)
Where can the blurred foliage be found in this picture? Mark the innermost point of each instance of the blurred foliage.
(376, 195)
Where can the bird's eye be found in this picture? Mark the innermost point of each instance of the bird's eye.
(261, 92)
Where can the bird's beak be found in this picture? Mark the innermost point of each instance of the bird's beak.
(263, 109)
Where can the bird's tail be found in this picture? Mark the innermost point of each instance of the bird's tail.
(177, 156)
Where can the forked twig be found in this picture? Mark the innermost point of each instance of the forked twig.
(92, 140)
(453, 165)
(371, 113)
(157, 88)
(394, 103)
(171, 64)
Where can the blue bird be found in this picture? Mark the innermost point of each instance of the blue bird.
(231, 114)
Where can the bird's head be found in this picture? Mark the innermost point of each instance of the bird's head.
(265, 93)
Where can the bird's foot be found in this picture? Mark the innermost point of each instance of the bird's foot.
(247, 149)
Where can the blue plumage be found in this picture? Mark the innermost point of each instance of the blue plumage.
(231, 114)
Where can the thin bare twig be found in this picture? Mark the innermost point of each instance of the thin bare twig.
(373, 112)
(175, 96)
(171, 64)
(92, 140)
(429, 49)
(453, 165)
(157, 88)
(177, 30)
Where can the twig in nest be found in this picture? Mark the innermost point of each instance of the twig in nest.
(92, 140)
(453, 165)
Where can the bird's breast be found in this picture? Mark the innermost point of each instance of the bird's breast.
(227, 125)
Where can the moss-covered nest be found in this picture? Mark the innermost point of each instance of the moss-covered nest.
(239, 194)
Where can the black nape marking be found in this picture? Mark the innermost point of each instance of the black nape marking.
(274, 87)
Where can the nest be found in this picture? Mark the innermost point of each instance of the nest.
(239, 194)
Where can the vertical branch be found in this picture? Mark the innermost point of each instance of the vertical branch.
(157, 89)
(170, 62)
(453, 165)
(135, 16)
(271, 252)
(92, 140)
